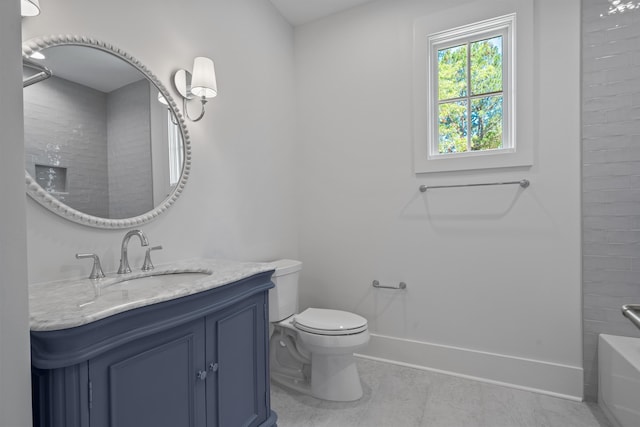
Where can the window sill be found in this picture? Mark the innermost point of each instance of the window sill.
(482, 160)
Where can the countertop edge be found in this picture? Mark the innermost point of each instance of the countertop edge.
(51, 310)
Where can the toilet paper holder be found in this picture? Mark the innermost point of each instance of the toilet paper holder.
(401, 285)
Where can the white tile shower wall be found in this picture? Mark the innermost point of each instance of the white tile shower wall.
(65, 126)
(128, 129)
(611, 176)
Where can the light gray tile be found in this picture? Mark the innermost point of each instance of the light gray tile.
(396, 396)
(565, 413)
(509, 407)
(454, 402)
(609, 223)
(592, 262)
(399, 397)
(610, 147)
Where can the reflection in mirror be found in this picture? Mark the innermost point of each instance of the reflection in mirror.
(100, 137)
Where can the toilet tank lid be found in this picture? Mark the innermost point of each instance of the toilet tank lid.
(286, 266)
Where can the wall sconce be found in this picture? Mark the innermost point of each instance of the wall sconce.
(201, 84)
(30, 7)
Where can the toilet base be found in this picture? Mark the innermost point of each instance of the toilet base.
(335, 377)
(325, 376)
(291, 382)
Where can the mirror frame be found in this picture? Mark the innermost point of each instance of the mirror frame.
(45, 199)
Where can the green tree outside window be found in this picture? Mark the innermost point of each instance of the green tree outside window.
(470, 96)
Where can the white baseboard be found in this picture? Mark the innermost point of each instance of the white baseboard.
(525, 374)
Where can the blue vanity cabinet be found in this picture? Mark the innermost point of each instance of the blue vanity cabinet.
(196, 361)
(150, 382)
(240, 394)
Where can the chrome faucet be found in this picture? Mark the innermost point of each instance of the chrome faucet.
(124, 258)
(148, 265)
(96, 272)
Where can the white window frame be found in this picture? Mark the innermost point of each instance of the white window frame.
(451, 27)
(176, 150)
(502, 26)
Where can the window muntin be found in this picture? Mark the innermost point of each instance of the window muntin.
(470, 76)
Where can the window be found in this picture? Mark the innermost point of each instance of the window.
(176, 149)
(470, 62)
(470, 105)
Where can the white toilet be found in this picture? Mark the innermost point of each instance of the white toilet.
(312, 352)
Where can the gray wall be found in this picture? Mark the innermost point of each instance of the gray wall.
(65, 126)
(15, 393)
(470, 256)
(128, 127)
(240, 201)
(611, 176)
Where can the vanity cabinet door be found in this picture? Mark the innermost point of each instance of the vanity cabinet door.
(237, 356)
(151, 382)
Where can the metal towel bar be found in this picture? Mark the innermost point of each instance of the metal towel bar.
(631, 312)
(524, 183)
(377, 284)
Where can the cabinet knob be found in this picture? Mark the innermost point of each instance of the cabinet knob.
(202, 375)
(213, 367)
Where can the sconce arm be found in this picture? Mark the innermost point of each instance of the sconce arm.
(203, 101)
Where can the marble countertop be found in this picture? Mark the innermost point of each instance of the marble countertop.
(66, 304)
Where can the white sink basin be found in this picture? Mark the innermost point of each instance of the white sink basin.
(163, 279)
(133, 289)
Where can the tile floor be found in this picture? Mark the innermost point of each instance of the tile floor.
(397, 396)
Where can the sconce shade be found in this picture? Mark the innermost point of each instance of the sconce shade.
(203, 83)
(30, 7)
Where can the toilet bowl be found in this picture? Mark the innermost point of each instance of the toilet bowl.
(312, 351)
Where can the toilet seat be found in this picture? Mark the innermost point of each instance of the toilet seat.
(329, 322)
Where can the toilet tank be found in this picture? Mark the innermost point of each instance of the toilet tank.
(283, 299)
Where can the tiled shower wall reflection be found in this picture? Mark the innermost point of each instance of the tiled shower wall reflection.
(101, 142)
(611, 175)
(64, 127)
(129, 150)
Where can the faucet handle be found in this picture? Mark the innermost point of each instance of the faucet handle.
(96, 272)
(148, 265)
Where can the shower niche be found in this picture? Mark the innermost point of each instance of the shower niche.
(52, 178)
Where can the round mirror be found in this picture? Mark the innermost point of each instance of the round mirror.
(105, 145)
